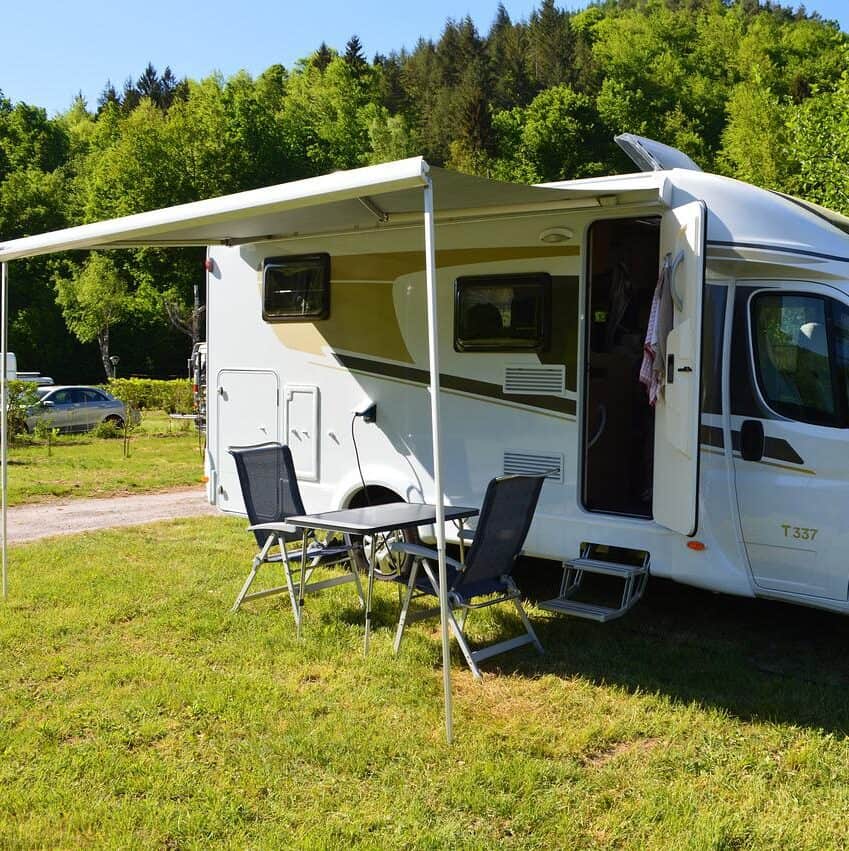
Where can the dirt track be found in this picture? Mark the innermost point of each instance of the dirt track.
(41, 520)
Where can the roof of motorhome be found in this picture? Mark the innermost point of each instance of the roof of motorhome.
(739, 215)
(357, 199)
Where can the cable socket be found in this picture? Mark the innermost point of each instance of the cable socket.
(368, 411)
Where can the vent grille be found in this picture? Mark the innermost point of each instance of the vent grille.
(534, 463)
(535, 380)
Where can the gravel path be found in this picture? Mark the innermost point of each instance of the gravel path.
(41, 520)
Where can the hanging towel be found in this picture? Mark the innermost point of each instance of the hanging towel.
(653, 367)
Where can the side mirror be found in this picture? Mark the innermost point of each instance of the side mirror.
(47, 404)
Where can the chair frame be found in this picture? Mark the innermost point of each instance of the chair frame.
(297, 569)
(427, 557)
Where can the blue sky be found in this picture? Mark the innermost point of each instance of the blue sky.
(54, 49)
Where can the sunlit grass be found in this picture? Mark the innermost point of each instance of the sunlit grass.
(135, 711)
(163, 454)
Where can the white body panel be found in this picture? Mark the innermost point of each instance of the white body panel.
(374, 347)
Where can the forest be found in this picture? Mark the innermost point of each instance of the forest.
(754, 90)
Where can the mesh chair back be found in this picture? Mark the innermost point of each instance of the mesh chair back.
(269, 486)
(505, 518)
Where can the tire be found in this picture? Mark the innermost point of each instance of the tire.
(389, 566)
(115, 420)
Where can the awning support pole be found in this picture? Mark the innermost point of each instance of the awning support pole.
(433, 358)
(4, 420)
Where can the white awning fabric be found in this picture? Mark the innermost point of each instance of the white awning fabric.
(358, 199)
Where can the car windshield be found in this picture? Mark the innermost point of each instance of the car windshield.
(41, 392)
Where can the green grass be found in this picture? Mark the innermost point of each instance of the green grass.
(136, 712)
(163, 454)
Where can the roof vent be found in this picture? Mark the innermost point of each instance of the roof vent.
(649, 155)
(547, 380)
(519, 462)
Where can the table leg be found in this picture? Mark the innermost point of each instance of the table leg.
(302, 580)
(369, 591)
(462, 544)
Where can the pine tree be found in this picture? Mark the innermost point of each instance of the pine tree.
(130, 96)
(108, 96)
(149, 85)
(550, 46)
(354, 55)
(322, 57)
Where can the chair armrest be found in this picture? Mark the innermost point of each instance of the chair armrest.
(273, 527)
(419, 551)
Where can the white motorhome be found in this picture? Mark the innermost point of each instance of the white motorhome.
(738, 480)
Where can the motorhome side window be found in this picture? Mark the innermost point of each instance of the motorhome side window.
(801, 352)
(502, 313)
(296, 289)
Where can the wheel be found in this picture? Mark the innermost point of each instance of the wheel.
(388, 565)
(115, 420)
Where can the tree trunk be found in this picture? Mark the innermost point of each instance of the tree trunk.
(103, 342)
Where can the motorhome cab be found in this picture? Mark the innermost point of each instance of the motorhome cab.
(737, 480)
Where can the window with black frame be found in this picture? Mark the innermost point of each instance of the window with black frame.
(800, 352)
(296, 288)
(502, 313)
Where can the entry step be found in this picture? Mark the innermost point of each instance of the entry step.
(633, 576)
(608, 568)
(588, 611)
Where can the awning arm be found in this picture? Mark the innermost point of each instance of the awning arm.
(433, 362)
(4, 420)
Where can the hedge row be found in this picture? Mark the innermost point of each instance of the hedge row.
(149, 394)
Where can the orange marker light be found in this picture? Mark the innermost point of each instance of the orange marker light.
(698, 546)
(204, 479)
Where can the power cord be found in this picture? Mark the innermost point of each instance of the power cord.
(357, 456)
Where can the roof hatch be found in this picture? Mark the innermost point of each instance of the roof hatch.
(649, 155)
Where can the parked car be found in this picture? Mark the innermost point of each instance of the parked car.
(71, 409)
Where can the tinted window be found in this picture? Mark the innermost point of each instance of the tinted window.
(91, 396)
(62, 397)
(793, 361)
(713, 325)
(502, 313)
(296, 288)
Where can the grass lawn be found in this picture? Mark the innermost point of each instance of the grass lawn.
(163, 454)
(136, 712)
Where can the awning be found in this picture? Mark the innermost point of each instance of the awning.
(360, 199)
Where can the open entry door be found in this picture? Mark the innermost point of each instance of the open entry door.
(677, 414)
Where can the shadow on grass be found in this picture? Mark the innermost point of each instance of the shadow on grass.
(755, 659)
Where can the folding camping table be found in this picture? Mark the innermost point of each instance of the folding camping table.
(373, 520)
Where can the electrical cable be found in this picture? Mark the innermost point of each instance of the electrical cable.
(384, 537)
(357, 456)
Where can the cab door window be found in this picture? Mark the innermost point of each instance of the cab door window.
(801, 356)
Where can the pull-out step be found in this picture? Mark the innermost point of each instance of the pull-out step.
(604, 561)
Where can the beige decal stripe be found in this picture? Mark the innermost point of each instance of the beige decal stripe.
(456, 383)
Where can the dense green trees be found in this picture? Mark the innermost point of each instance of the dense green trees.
(756, 90)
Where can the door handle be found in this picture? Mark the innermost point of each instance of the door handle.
(752, 440)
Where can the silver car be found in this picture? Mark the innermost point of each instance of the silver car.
(71, 409)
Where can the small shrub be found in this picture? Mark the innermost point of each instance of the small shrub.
(44, 430)
(149, 394)
(108, 430)
(22, 397)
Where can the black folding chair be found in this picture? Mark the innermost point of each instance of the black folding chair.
(485, 578)
(271, 494)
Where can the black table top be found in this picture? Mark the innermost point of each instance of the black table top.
(379, 518)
